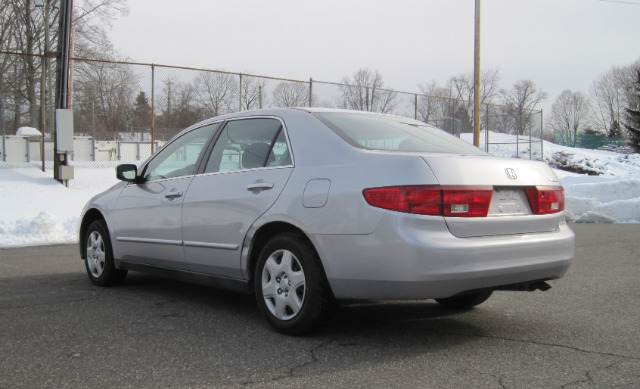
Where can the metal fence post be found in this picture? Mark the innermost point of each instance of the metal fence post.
(486, 130)
(43, 109)
(153, 106)
(93, 129)
(240, 95)
(260, 96)
(530, 135)
(4, 137)
(310, 92)
(415, 106)
(541, 137)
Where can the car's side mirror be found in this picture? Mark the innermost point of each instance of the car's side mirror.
(127, 172)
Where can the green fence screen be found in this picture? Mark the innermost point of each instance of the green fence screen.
(587, 141)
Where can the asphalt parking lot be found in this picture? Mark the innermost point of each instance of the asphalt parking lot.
(59, 331)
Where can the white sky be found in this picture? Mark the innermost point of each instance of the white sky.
(559, 44)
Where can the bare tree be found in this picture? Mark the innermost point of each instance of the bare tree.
(91, 16)
(253, 92)
(177, 108)
(217, 92)
(11, 81)
(364, 91)
(111, 87)
(6, 43)
(437, 107)
(610, 94)
(461, 88)
(521, 101)
(570, 113)
(430, 102)
(291, 94)
(185, 111)
(23, 29)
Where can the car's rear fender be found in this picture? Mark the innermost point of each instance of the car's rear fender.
(343, 208)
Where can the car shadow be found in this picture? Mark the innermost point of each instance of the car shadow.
(363, 332)
(362, 318)
(366, 317)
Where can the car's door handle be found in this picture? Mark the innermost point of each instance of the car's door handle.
(173, 194)
(260, 185)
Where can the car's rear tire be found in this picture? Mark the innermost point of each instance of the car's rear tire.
(291, 288)
(99, 256)
(465, 300)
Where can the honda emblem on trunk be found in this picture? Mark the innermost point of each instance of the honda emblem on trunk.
(511, 173)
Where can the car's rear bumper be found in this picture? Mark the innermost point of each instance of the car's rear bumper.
(423, 260)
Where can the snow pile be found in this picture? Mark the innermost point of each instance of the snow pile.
(28, 131)
(592, 162)
(602, 199)
(35, 209)
(577, 160)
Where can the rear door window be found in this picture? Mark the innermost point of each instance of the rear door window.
(250, 144)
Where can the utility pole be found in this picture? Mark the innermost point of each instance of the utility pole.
(46, 87)
(62, 82)
(476, 80)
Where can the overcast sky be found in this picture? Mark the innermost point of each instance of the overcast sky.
(559, 44)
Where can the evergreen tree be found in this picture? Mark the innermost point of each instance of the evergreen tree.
(142, 111)
(633, 115)
(615, 130)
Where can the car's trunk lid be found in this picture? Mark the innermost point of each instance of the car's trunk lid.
(510, 211)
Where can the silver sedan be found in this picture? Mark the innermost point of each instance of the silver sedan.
(306, 207)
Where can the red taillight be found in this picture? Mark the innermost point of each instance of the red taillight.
(467, 201)
(545, 199)
(460, 201)
(420, 199)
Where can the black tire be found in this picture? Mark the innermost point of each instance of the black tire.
(465, 300)
(291, 287)
(99, 256)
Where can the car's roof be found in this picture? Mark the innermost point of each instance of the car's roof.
(289, 113)
(284, 112)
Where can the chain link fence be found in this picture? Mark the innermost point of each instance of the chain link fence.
(120, 108)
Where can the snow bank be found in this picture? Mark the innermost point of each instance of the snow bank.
(602, 199)
(35, 209)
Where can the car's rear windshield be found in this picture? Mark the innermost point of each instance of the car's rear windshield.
(392, 133)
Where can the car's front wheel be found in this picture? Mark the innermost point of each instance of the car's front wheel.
(465, 300)
(99, 256)
(290, 285)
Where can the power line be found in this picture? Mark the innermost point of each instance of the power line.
(620, 1)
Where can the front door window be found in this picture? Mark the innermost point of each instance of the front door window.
(180, 156)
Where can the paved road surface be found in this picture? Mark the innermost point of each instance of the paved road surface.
(59, 331)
